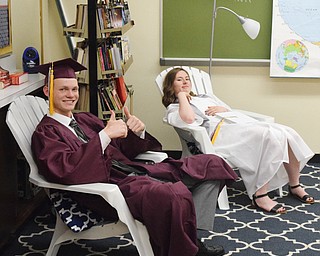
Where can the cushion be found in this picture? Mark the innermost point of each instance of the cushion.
(76, 217)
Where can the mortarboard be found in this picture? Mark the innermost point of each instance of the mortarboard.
(64, 68)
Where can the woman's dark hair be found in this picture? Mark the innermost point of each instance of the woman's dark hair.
(167, 87)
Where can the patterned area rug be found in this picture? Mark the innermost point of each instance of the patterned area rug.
(242, 230)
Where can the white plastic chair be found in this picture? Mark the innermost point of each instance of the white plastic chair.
(201, 84)
(22, 118)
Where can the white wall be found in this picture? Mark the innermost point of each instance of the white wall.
(25, 24)
(293, 102)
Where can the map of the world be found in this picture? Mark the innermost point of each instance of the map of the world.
(295, 48)
(292, 55)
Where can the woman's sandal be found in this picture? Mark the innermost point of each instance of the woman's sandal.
(274, 208)
(303, 199)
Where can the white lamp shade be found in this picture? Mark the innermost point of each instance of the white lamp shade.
(251, 27)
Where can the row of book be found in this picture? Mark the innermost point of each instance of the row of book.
(108, 16)
(113, 94)
(112, 54)
(84, 98)
(114, 17)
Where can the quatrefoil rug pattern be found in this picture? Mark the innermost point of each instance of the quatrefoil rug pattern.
(242, 230)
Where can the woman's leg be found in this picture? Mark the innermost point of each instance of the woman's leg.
(292, 169)
(265, 202)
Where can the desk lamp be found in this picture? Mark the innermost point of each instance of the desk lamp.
(250, 26)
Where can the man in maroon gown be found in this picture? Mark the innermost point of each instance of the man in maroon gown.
(173, 199)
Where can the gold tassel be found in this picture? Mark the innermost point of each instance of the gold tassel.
(216, 131)
(51, 111)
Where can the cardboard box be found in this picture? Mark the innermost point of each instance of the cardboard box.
(19, 78)
(4, 78)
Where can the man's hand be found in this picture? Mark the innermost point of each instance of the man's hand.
(133, 123)
(116, 128)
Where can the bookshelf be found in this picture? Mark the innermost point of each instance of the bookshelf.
(104, 49)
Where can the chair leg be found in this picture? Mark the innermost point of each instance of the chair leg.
(223, 201)
(140, 238)
(60, 228)
(280, 192)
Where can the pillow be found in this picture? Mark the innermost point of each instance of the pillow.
(76, 217)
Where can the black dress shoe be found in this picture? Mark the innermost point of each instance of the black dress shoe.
(206, 250)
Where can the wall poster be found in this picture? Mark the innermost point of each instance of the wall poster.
(295, 40)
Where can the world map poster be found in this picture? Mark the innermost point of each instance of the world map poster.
(295, 39)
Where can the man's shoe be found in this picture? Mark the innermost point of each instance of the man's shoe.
(206, 250)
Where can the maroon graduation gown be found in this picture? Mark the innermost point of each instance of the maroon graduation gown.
(166, 208)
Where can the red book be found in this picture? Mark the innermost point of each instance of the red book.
(121, 89)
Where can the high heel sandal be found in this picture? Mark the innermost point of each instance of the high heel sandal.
(274, 209)
(303, 199)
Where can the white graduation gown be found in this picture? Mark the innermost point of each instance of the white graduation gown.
(258, 149)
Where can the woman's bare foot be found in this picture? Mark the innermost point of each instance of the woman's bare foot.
(265, 203)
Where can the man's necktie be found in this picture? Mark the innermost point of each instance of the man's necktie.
(73, 124)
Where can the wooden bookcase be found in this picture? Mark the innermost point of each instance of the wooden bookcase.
(90, 25)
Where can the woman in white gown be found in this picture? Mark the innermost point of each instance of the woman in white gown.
(268, 155)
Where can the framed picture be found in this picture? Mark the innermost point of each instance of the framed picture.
(5, 28)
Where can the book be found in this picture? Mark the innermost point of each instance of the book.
(125, 50)
(116, 59)
(117, 17)
(105, 102)
(100, 58)
(106, 98)
(122, 89)
(79, 18)
(79, 53)
(115, 95)
(110, 95)
(84, 24)
(82, 96)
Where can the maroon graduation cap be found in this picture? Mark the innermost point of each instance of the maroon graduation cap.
(64, 68)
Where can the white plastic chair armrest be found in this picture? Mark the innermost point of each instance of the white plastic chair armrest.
(110, 192)
(154, 156)
(201, 136)
(257, 116)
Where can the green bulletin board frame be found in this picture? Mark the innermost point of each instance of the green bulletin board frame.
(186, 32)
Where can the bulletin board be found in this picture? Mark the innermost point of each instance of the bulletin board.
(186, 30)
(5, 28)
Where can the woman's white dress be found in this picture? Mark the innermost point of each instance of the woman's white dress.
(258, 149)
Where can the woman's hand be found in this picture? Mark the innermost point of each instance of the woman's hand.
(185, 111)
(212, 110)
(184, 95)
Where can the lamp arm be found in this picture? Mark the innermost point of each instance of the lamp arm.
(214, 15)
(212, 35)
(241, 19)
(250, 26)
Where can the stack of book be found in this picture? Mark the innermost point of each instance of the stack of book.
(112, 94)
